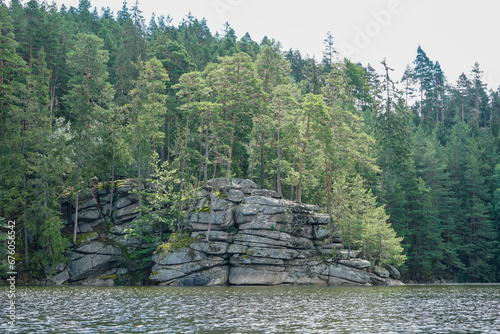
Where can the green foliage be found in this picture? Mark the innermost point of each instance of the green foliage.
(177, 240)
(85, 95)
(158, 212)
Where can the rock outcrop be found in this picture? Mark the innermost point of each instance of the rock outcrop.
(101, 255)
(258, 238)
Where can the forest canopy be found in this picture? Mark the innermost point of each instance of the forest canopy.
(409, 167)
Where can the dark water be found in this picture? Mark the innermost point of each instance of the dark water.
(407, 309)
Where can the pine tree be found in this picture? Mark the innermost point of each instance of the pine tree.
(146, 110)
(12, 70)
(237, 88)
(89, 93)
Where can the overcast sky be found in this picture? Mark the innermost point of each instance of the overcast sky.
(456, 33)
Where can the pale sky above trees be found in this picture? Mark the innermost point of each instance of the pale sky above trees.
(455, 33)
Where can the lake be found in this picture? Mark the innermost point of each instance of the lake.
(146, 309)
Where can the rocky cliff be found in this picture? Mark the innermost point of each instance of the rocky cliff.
(258, 238)
(103, 255)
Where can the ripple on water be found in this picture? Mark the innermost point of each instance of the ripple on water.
(407, 309)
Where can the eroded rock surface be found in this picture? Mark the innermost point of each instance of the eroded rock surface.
(258, 238)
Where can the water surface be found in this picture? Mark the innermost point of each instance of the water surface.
(406, 309)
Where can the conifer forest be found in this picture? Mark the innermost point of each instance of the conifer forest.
(408, 168)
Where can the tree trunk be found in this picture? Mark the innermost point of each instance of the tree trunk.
(231, 146)
(24, 214)
(211, 219)
(183, 166)
(112, 186)
(262, 163)
(162, 152)
(75, 227)
(205, 168)
(299, 186)
(139, 173)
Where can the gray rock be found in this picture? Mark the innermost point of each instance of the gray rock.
(84, 228)
(120, 229)
(265, 193)
(244, 209)
(344, 254)
(214, 235)
(97, 247)
(335, 281)
(378, 270)
(320, 219)
(125, 214)
(202, 227)
(103, 190)
(214, 248)
(220, 204)
(168, 273)
(377, 280)
(179, 256)
(91, 264)
(287, 242)
(260, 222)
(236, 249)
(260, 201)
(356, 263)
(125, 240)
(210, 277)
(239, 259)
(224, 219)
(60, 278)
(235, 195)
(88, 214)
(393, 272)
(87, 204)
(349, 274)
(245, 183)
(165, 274)
(122, 271)
(105, 199)
(256, 275)
(222, 184)
(273, 210)
(321, 232)
(125, 186)
(274, 253)
(122, 202)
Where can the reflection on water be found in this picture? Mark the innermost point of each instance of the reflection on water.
(407, 309)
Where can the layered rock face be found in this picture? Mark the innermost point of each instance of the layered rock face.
(100, 256)
(257, 238)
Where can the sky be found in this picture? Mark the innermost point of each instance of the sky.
(456, 33)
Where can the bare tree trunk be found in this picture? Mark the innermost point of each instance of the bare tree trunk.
(112, 186)
(75, 227)
(183, 166)
(278, 173)
(291, 186)
(162, 152)
(253, 160)
(262, 163)
(25, 223)
(299, 186)
(139, 173)
(211, 219)
(231, 146)
(205, 168)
